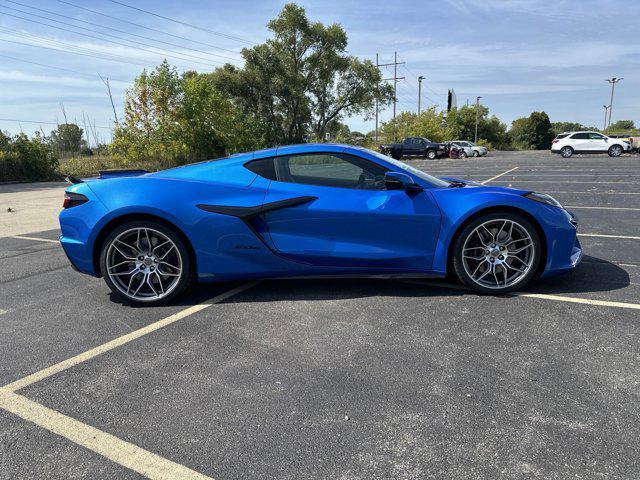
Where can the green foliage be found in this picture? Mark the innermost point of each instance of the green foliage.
(622, 125)
(301, 80)
(458, 124)
(532, 132)
(172, 119)
(67, 138)
(26, 159)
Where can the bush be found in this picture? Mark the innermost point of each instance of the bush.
(25, 159)
(90, 166)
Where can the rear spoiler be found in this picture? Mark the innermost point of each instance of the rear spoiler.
(104, 174)
(72, 180)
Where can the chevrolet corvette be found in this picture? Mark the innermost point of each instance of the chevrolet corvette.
(308, 211)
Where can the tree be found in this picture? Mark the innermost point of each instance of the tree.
(462, 123)
(430, 124)
(301, 80)
(622, 125)
(67, 138)
(560, 127)
(532, 132)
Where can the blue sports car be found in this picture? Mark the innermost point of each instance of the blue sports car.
(308, 210)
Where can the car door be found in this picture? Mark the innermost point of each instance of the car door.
(598, 142)
(410, 146)
(346, 217)
(580, 142)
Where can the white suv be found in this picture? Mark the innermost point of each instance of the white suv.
(476, 150)
(566, 144)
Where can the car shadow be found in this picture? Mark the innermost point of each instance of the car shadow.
(592, 275)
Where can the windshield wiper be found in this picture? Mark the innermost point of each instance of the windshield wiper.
(454, 184)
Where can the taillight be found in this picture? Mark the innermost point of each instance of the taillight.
(73, 200)
(555, 140)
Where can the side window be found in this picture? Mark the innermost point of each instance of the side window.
(580, 136)
(595, 136)
(408, 141)
(263, 167)
(330, 170)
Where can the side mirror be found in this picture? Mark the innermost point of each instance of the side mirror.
(400, 181)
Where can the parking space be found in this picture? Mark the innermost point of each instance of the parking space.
(349, 379)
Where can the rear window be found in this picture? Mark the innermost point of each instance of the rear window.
(580, 136)
(562, 135)
(263, 167)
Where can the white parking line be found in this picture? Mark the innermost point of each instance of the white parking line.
(498, 176)
(124, 339)
(118, 451)
(557, 181)
(543, 296)
(601, 208)
(602, 235)
(24, 237)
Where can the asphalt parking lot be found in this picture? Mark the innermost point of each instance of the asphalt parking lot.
(349, 379)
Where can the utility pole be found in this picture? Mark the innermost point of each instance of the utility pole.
(477, 112)
(613, 82)
(420, 78)
(606, 108)
(378, 92)
(395, 77)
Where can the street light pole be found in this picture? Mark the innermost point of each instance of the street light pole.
(477, 112)
(606, 109)
(420, 78)
(613, 82)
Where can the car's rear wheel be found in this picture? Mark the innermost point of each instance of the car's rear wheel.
(431, 154)
(497, 253)
(615, 151)
(566, 151)
(145, 262)
(396, 156)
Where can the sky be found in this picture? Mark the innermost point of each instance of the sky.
(518, 55)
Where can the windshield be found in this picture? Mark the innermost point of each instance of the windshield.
(436, 182)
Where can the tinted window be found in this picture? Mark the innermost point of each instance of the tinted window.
(562, 135)
(418, 173)
(263, 167)
(595, 136)
(580, 136)
(330, 170)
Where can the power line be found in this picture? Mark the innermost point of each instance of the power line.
(108, 28)
(114, 42)
(224, 35)
(145, 27)
(70, 48)
(43, 123)
(58, 68)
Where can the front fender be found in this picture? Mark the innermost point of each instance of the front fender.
(460, 204)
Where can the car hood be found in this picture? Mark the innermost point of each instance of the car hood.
(495, 188)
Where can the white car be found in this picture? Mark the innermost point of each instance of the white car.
(476, 150)
(568, 143)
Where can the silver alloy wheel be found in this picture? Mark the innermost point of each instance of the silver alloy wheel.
(566, 152)
(431, 154)
(498, 253)
(144, 264)
(475, 153)
(615, 151)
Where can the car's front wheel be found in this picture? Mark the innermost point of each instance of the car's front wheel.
(475, 153)
(145, 262)
(615, 151)
(566, 152)
(497, 253)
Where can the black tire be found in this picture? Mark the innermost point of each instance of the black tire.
(431, 154)
(475, 153)
(463, 154)
(566, 151)
(184, 279)
(615, 151)
(459, 241)
(396, 156)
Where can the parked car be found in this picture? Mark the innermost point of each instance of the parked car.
(568, 143)
(308, 211)
(414, 147)
(476, 150)
(462, 150)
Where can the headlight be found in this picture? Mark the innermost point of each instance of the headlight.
(543, 198)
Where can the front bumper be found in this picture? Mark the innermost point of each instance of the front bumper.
(564, 251)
